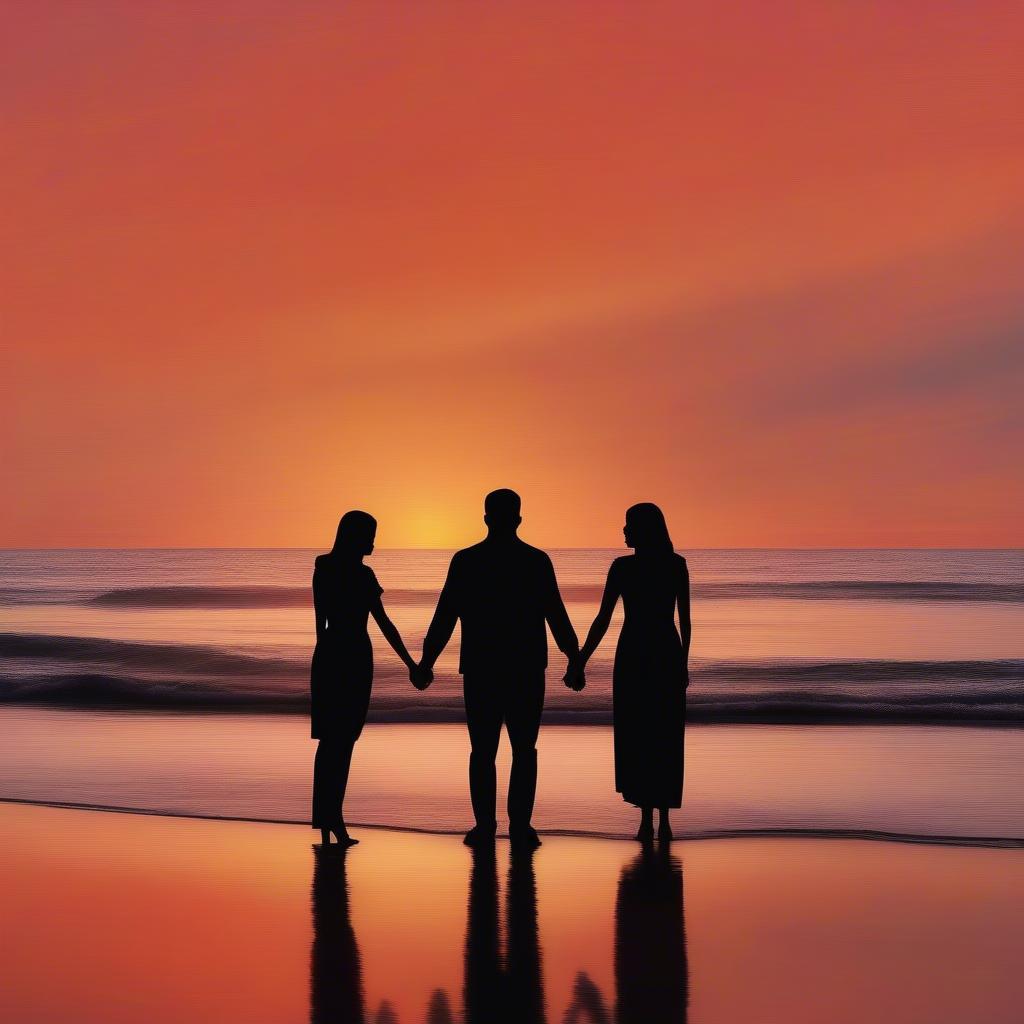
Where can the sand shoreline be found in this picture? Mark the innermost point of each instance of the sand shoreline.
(867, 835)
(884, 782)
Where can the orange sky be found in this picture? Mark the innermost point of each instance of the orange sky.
(761, 263)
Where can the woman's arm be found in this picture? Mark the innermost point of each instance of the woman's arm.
(604, 617)
(390, 631)
(685, 629)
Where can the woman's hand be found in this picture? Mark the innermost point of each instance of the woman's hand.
(420, 676)
(575, 676)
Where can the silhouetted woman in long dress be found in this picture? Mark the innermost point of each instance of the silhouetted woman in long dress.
(345, 594)
(651, 676)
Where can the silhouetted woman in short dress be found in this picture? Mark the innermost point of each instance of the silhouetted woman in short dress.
(651, 675)
(345, 594)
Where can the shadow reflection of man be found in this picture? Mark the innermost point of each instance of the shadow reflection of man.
(510, 989)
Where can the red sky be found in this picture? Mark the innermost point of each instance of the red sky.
(760, 263)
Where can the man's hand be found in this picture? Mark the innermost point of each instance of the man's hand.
(574, 677)
(420, 676)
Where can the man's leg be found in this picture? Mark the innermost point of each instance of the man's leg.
(483, 717)
(524, 702)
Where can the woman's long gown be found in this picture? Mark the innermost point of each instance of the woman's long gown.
(649, 681)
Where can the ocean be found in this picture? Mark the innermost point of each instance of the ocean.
(852, 691)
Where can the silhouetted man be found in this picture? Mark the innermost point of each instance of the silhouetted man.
(503, 590)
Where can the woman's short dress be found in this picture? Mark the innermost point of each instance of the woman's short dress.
(649, 681)
(341, 675)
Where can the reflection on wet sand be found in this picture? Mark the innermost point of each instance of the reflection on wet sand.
(651, 970)
(510, 988)
(335, 970)
(921, 934)
(503, 980)
(440, 1009)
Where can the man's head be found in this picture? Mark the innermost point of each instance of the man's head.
(501, 511)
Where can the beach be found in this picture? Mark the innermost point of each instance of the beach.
(922, 783)
(868, 692)
(114, 917)
(495, 432)
(850, 845)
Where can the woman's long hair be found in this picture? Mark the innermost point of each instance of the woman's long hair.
(355, 535)
(648, 531)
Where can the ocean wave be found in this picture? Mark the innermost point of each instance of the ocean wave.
(300, 597)
(266, 596)
(187, 660)
(941, 674)
(864, 590)
(205, 597)
(44, 595)
(83, 690)
(103, 690)
(274, 596)
(93, 671)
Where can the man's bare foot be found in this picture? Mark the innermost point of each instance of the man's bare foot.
(478, 836)
(524, 838)
(665, 830)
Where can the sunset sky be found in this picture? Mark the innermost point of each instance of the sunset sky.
(759, 262)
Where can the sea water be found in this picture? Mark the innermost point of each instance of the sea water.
(856, 692)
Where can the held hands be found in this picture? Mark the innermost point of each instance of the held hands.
(575, 676)
(420, 676)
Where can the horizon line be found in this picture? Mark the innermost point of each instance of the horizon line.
(553, 547)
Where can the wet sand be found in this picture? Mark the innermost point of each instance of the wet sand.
(921, 783)
(114, 917)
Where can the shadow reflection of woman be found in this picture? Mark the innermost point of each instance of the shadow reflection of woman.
(652, 978)
(651, 969)
(336, 976)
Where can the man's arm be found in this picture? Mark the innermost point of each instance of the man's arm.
(558, 617)
(443, 623)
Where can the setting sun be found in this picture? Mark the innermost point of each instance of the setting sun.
(264, 267)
